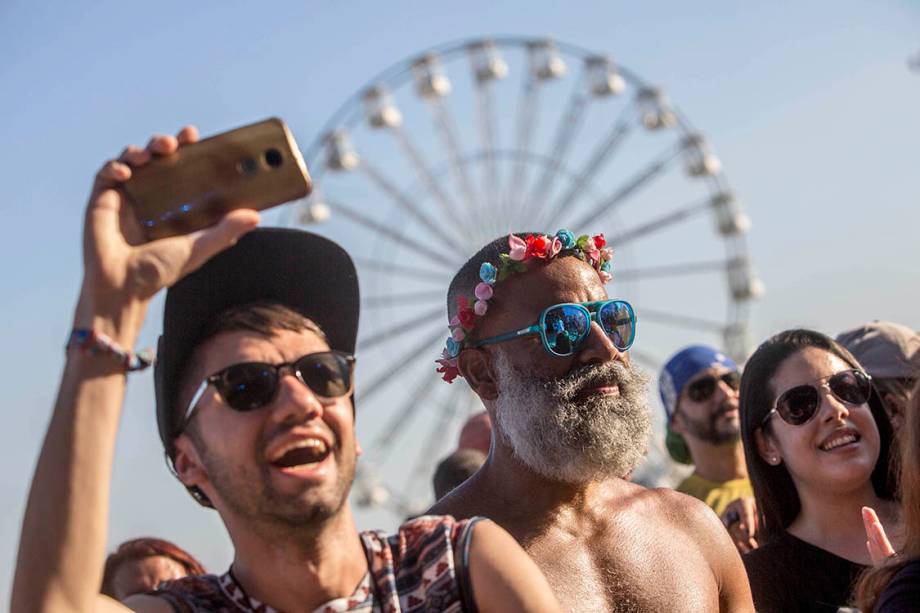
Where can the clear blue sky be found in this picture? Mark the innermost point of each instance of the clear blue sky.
(811, 107)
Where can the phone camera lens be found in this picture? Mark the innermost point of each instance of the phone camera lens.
(248, 166)
(273, 158)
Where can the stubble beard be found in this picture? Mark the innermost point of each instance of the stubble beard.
(708, 430)
(248, 493)
(568, 439)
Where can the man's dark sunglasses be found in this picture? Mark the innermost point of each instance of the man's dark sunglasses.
(799, 404)
(252, 385)
(703, 388)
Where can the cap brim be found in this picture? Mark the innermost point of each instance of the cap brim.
(302, 271)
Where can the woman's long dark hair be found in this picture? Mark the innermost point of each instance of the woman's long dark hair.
(777, 499)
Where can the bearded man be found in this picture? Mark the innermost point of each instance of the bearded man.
(535, 335)
(699, 391)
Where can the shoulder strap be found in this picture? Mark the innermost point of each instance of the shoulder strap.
(462, 564)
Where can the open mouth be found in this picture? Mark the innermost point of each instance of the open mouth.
(303, 452)
(837, 441)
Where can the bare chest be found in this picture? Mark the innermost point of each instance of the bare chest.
(625, 570)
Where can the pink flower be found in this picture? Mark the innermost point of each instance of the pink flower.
(458, 334)
(555, 247)
(605, 276)
(518, 248)
(454, 321)
(483, 291)
(480, 307)
(592, 252)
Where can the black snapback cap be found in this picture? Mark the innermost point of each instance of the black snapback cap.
(300, 270)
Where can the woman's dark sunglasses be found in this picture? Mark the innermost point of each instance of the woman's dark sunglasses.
(252, 385)
(703, 388)
(799, 404)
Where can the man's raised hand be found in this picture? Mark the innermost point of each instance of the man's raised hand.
(121, 271)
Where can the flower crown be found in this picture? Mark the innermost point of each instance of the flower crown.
(591, 249)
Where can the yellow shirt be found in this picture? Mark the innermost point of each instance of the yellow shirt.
(716, 495)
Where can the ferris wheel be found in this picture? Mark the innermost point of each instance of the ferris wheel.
(463, 143)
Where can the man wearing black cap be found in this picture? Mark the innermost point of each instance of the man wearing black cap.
(274, 454)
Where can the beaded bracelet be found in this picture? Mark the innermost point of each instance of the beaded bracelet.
(91, 342)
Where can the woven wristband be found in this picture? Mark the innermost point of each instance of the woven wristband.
(91, 342)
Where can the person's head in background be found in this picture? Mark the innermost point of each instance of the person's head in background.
(873, 583)
(139, 565)
(476, 433)
(792, 436)
(455, 469)
(890, 353)
(699, 391)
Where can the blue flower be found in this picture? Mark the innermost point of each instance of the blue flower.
(567, 238)
(606, 266)
(453, 347)
(488, 273)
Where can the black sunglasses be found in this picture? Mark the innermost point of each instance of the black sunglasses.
(703, 388)
(799, 404)
(252, 385)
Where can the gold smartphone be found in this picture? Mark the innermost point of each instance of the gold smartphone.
(255, 167)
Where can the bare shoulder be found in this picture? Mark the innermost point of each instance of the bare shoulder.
(672, 507)
(681, 521)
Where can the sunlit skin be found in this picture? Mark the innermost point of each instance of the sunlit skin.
(714, 462)
(718, 462)
(144, 575)
(833, 485)
(594, 541)
(246, 440)
(296, 543)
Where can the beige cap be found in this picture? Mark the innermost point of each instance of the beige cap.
(885, 349)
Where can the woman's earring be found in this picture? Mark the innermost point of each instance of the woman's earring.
(773, 460)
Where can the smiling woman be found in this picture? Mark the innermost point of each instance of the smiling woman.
(816, 441)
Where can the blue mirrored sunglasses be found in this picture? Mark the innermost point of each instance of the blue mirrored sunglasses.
(564, 327)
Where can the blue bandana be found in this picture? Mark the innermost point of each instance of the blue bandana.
(685, 365)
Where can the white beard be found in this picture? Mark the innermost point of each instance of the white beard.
(568, 440)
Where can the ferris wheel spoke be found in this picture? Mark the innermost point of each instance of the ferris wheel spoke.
(389, 268)
(660, 223)
(444, 124)
(388, 436)
(409, 298)
(602, 154)
(619, 196)
(566, 130)
(487, 136)
(529, 108)
(683, 321)
(425, 176)
(673, 270)
(427, 317)
(377, 177)
(402, 362)
(398, 238)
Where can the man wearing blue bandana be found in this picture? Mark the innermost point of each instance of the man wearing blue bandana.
(699, 390)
